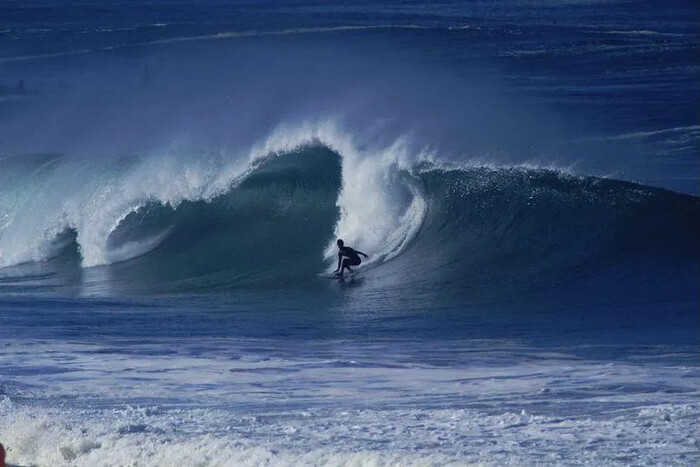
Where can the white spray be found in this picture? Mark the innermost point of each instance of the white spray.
(380, 205)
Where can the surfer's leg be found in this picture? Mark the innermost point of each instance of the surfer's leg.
(347, 262)
(345, 265)
(342, 268)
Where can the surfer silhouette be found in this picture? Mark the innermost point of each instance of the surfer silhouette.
(347, 257)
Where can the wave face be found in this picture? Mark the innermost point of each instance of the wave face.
(167, 224)
(490, 228)
(270, 228)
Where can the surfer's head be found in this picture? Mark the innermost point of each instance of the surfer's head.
(340, 243)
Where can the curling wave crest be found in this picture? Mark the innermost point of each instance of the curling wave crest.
(271, 215)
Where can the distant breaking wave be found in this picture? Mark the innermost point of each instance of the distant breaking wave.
(209, 37)
(688, 133)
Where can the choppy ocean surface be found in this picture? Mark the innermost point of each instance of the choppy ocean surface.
(523, 175)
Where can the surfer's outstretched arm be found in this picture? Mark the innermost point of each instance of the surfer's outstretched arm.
(360, 253)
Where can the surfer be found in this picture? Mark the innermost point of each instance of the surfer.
(347, 257)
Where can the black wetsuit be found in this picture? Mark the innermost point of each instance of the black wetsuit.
(353, 258)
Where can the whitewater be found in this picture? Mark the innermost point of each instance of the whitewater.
(524, 179)
(95, 212)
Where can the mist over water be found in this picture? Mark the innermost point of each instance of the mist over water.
(523, 176)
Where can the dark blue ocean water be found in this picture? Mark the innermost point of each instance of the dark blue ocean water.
(523, 176)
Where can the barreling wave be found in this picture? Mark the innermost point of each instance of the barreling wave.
(270, 219)
(272, 206)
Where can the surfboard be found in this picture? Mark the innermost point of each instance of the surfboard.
(330, 275)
